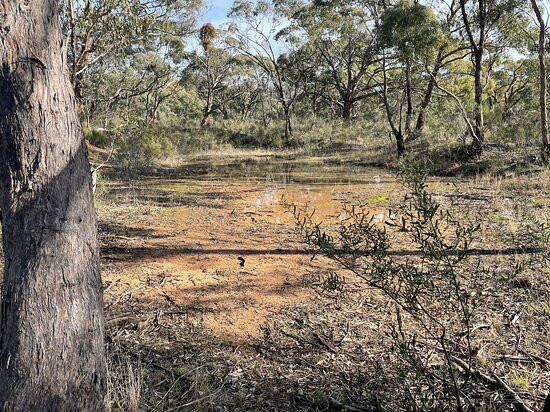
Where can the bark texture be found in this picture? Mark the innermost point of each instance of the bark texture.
(545, 151)
(421, 120)
(51, 321)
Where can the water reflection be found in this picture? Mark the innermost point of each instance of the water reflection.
(327, 201)
(314, 185)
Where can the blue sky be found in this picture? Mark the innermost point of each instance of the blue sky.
(216, 11)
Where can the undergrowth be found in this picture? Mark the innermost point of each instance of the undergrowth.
(437, 292)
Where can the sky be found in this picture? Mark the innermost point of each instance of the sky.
(216, 12)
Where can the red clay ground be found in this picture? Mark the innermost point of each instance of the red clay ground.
(223, 255)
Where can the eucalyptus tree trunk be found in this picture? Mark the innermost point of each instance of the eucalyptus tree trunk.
(396, 132)
(51, 323)
(347, 105)
(478, 49)
(207, 111)
(288, 122)
(408, 92)
(543, 87)
(479, 138)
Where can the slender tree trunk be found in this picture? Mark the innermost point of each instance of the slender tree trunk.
(421, 120)
(51, 320)
(264, 114)
(408, 90)
(207, 108)
(478, 78)
(396, 132)
(314, 106)
(478, 48)
(545, 151)
(288, 122)
(77, 83)
(286, 109)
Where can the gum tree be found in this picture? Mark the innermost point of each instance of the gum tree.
(478, 49)
(541, 49)
(214, 65)
(480, 18)
(51, 320)
(414, 32)
(344, 37)
(99, 31)
(255, 33)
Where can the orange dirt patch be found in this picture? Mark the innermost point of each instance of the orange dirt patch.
(223, 256)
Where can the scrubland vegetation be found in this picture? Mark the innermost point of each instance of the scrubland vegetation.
(358, 290)
(311, 75)
(336, 205)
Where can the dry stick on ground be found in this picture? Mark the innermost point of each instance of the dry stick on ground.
(526, 358)
(496, 382)
(536, 357)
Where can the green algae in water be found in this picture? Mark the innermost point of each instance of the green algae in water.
(379, 199)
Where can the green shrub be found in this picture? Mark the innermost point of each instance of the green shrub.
(434, 297)
(138, 148)
(98, 137)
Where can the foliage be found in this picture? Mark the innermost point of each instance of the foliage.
(285, 72)
(436, 294)
(412, 29)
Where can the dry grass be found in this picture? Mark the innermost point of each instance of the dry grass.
(124, 381)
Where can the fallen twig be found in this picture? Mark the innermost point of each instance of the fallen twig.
(496, 382)
(537, 358)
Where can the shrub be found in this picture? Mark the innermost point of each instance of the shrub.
(98, 137)
(138, 148)
(435, 290)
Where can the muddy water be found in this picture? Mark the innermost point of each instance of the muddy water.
(325, 203)
(325, 188)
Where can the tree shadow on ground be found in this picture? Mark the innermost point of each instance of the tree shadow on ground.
(137, 253)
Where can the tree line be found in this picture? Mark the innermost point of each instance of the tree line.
(477, 64)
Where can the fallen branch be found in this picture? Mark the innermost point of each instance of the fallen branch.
(495, 381)
(537, 358)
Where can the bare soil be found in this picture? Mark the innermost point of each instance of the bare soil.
(219, 251)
